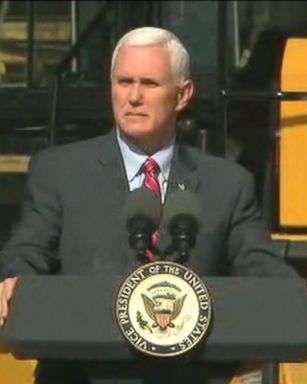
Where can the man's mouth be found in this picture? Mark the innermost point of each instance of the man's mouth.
(135, 114)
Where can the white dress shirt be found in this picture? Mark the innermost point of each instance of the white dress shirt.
(134, 158)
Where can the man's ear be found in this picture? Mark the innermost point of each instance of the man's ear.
(184, 95)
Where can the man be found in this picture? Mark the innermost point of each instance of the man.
(72, 220)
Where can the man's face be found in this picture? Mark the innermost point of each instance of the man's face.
(145, 96)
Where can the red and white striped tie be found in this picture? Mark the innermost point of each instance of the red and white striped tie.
(151, 170)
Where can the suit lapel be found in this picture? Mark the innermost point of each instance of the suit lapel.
(183, 177)
(112, 171)
(112, 177)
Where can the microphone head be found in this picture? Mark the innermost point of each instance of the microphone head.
(182, 204)
(143, 202)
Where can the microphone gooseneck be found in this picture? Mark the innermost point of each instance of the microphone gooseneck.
(183, 229)
(142, 214)
(182, 216)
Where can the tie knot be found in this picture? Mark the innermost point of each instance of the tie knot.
(151, 167)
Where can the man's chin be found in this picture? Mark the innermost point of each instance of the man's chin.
(137, 132)
(141, 139)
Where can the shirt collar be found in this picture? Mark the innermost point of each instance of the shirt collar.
(134, 157)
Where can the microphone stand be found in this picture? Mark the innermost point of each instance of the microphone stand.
(182, 247)
(141, 228)
(139, 242)
(183, 229)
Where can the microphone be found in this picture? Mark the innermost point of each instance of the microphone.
(182, 217)
(142, 213)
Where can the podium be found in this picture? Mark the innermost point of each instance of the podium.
(72, 317)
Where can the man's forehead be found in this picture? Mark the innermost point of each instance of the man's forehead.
(147, 61)
(154, 46)
(143, 52)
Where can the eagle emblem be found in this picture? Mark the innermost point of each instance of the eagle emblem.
(163, 308)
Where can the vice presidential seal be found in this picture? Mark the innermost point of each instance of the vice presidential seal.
(163, 309)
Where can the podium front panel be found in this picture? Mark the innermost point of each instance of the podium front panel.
(72, 317)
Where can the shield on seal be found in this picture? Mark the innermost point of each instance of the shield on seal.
(163, 319)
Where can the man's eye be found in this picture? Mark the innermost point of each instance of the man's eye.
(124, 81)
(150, 83)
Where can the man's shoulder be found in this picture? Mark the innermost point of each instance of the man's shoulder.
(71, 151)
(218, 166)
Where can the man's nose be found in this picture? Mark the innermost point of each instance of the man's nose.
(136, 94)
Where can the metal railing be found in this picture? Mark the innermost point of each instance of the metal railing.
(53, 123)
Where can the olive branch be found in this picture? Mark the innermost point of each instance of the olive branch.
(143, 323)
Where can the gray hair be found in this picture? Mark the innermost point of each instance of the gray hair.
(180, 60)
